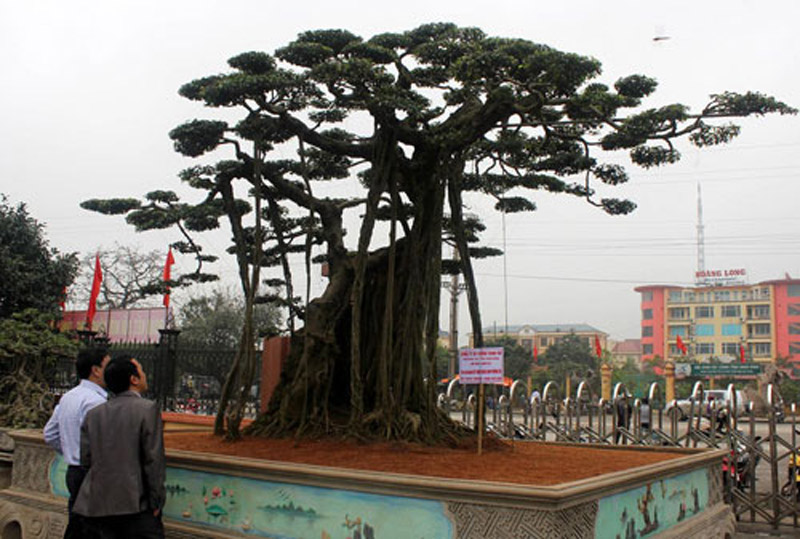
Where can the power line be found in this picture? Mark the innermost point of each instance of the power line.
(583, 279)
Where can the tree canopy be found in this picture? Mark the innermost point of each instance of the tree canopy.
(130, 277)
(215, 320)
(33, 275)
(570, 356)
(414, 121)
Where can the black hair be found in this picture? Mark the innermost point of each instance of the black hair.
(118, 373)
(88, 358)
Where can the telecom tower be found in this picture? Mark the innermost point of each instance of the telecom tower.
(701, 240)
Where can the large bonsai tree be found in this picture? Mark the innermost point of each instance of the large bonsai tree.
(420, 119)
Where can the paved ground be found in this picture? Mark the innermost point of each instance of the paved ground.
(751, 531)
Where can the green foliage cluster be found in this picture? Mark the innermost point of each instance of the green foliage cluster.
(32, 274)
(215, 320)
(569, 357)
(33, 277)
(29, 350)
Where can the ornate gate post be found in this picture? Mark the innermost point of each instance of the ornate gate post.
(669, 374)
(605, 379)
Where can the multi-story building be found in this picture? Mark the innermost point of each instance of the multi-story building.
(541, 336)
(762, 320)
(627, 350)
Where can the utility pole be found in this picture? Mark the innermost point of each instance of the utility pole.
(455, 287)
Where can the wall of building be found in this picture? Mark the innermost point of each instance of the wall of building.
(715, 321)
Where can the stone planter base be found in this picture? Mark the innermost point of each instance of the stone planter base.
(212, 496)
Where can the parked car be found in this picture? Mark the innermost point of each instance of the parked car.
(718, 395)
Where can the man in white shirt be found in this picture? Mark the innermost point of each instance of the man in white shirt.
(63, 429)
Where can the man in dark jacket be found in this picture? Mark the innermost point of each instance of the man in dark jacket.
(122, 445)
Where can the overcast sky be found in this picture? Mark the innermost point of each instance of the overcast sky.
(89, 93)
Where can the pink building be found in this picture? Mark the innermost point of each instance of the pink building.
(760, 320)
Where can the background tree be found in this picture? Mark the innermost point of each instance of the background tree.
(421, 118)
(32, 274)
(214, 321)
(29, 350)
(32, 279)
(518, 360)
(570, 356)
(131, 277)
(637, 379)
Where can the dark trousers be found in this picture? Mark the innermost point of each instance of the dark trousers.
(137, 526)
(75, 475)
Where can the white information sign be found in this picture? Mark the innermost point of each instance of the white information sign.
(683, 369)
(480, 365)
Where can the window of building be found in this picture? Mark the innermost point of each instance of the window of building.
(794, 328)
(673, 350)
(761, 349)
(527, 344)
(794, 348)
(688, 297)
(704, 330)
(544, 342)
(731, 311)
(758, 311)
(647, 331)
(647, 349)
(758, 330)
(704, 311)
(793, 309)
(647, 314)
(647, 296)
(678, 313)
(731, 329)
(722, 295)
(730, 348)
(793, 290)
(674, 331)
(675, 296)
(704, 348)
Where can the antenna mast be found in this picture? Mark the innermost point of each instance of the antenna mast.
(701, 241)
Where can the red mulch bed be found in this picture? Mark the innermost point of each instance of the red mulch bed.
(528, 463)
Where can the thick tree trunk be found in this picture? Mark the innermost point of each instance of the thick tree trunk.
(320, 358)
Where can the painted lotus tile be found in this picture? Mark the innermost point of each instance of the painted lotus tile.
(282, 510)
(653, 508)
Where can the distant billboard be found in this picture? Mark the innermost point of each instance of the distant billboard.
(721, 277)
(120, 325)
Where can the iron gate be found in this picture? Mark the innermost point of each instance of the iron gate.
(763, 451)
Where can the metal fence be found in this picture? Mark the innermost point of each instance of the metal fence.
(183, 376)
(761, 472)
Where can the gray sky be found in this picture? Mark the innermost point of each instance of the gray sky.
(89, 93)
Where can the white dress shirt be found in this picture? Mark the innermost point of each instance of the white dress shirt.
(63, 429)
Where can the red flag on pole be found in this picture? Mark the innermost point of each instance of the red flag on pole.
(597, 348)
(535, 354)
(741, 354)
(681, 346)
(96, 281)
(167, 275)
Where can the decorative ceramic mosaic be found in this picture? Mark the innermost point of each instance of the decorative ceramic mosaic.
(282, 510)
(652, 508)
